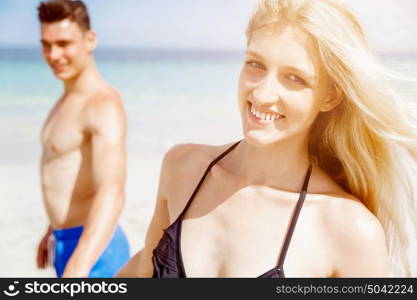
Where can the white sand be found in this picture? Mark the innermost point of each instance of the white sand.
(23, 220)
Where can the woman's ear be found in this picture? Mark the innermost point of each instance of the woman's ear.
(332, 100)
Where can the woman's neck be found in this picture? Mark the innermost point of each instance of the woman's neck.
(281, 165)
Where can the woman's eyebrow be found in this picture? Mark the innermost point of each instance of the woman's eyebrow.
(253, 53)
(308, 75)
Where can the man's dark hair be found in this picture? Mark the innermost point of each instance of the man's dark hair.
(58, 10)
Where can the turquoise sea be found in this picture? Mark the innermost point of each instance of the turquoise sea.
(169, 96)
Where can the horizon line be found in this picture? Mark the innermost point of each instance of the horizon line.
(184, 50)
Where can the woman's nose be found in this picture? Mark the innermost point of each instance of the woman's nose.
(267, 92)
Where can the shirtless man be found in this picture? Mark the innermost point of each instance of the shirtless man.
(84, 155)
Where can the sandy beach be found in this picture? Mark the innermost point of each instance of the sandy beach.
(24, 220)
(157, 120)
(167, 101)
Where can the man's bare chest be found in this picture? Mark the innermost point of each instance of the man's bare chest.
(63, 131)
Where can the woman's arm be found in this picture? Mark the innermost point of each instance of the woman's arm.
(140, 265)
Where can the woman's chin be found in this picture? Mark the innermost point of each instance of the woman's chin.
(261, 139)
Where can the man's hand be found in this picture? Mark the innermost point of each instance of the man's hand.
(42, 256)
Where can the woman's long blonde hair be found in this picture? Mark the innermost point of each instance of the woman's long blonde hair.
(368, 143)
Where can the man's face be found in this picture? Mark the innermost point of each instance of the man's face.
(66, 48)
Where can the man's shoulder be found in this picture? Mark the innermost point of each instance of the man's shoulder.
(103, 99)
(104, 108)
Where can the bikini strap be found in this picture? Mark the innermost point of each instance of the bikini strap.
(215, 161)
(294, 219)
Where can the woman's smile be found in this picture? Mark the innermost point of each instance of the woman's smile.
(260, 116)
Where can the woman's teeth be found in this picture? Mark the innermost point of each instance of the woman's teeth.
(265, 116)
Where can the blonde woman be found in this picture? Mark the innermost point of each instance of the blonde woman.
(323, 183)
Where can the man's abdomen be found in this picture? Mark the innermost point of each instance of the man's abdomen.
(67, 189)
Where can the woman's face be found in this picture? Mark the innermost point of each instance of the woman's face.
(281, 86)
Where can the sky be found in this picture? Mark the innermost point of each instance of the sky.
(199, 24)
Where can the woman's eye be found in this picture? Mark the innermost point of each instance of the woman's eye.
(255, 65)
(296, 79)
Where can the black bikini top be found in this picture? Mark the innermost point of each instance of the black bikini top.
(167, 257)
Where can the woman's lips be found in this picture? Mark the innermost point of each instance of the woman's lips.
(263, 117)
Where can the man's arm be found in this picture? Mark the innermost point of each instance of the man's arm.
(107, 123)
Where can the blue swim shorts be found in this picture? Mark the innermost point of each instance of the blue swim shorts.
(113, 258)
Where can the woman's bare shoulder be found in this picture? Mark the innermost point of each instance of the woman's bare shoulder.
(191, 158)
(342, 211)
(182, 168)
(345, 209)
(337, 203)
(355, 235)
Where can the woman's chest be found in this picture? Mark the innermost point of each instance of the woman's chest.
(242, 233)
